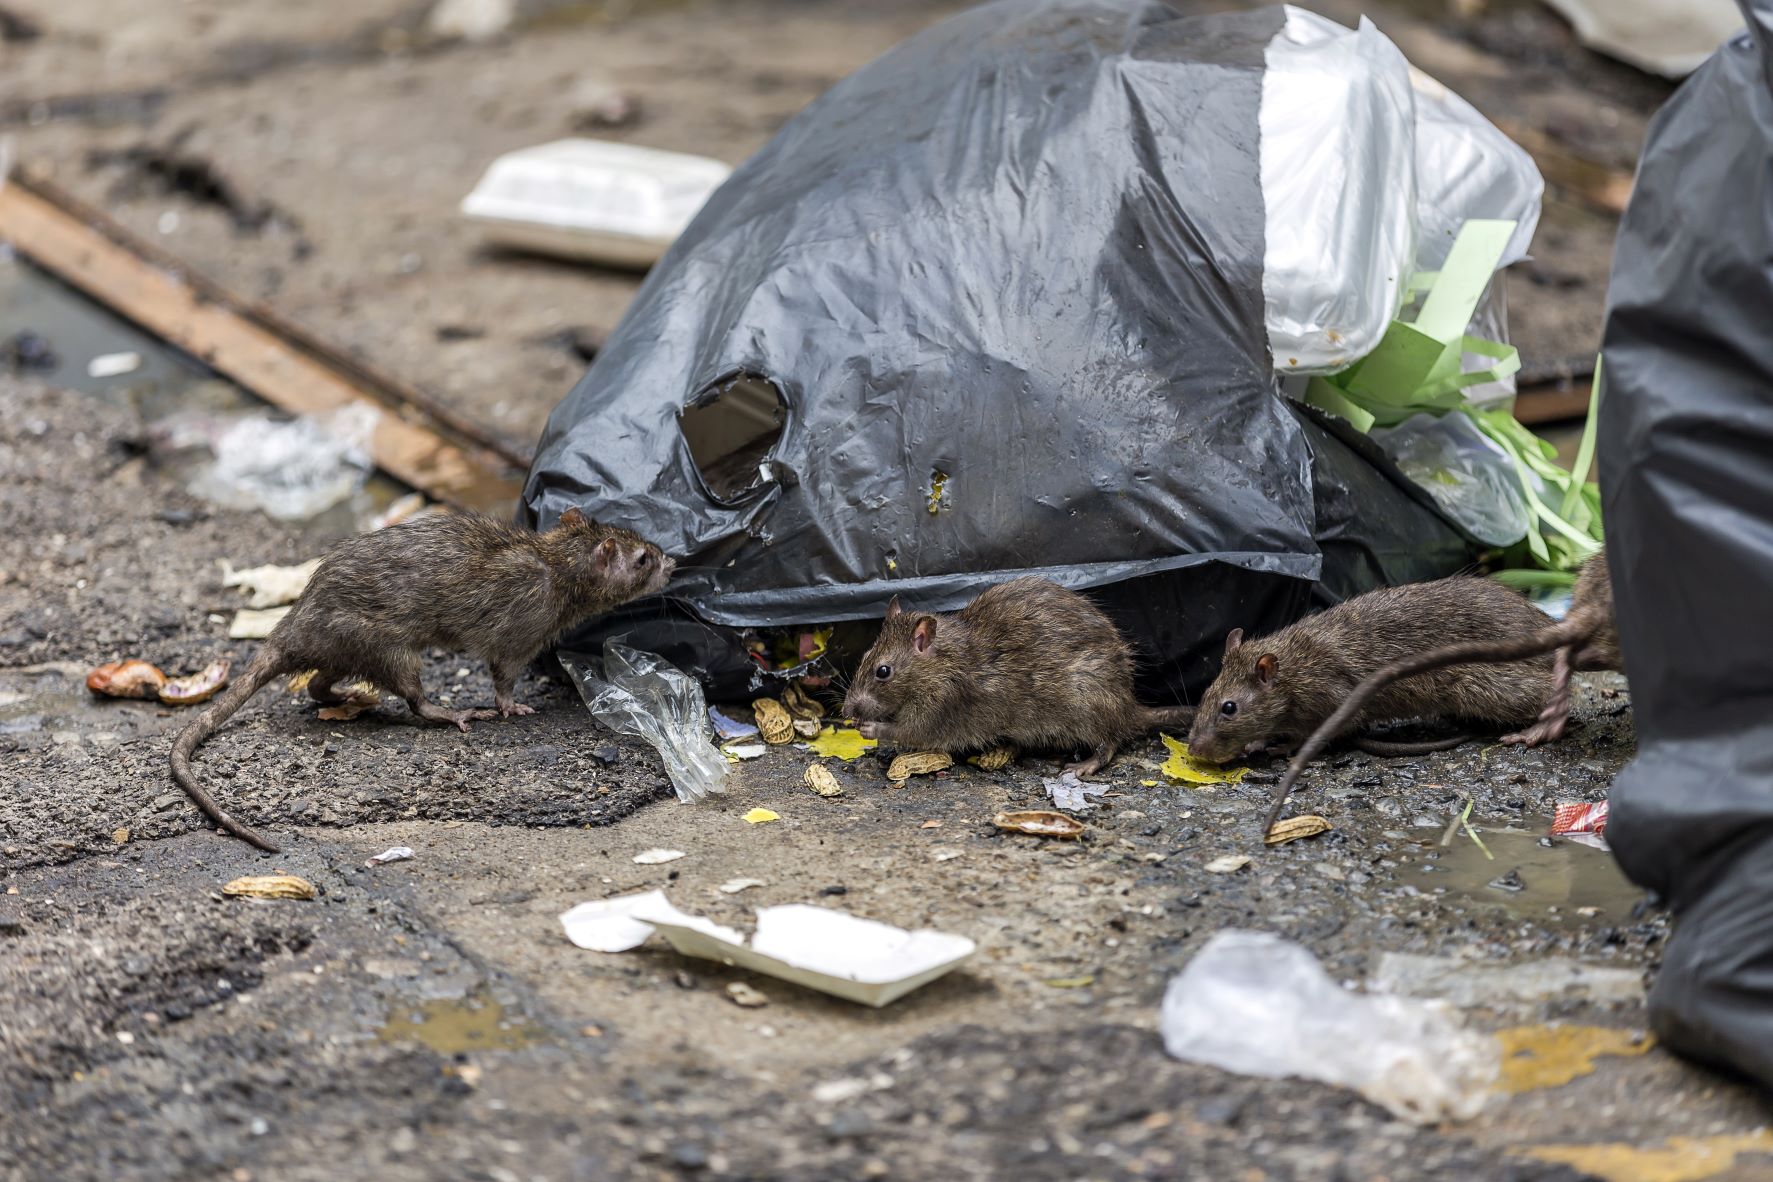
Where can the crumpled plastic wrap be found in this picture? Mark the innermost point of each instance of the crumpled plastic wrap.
(1468, 477)
(1256, 1004)
(290, 470)
(639, 694)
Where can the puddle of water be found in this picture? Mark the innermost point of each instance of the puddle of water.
(1568, 876)
(1679, 1159)
(451, 1026)
(1535, 1057)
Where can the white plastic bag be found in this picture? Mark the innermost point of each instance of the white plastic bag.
(639, 694)
(290, 470)
(1256, 1004)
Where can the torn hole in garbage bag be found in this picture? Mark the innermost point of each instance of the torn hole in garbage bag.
(732, 426)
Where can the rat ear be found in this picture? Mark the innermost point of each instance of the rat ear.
(1265, 665)
(572, 518)
(923, 634)
(1233, 638)
(893, 608)
(605, 553)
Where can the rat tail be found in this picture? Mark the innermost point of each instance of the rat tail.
(1545, 640)
(1158, 718)
(267, 665)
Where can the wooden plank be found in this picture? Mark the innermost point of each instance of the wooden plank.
(1598, 186)
(1551, 404)
(167, 304)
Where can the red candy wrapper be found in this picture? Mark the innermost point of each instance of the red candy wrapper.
(1580, 818)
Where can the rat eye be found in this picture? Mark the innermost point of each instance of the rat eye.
(643, 559)
(1228, 709)
(882, 672)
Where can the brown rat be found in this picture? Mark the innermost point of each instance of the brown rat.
(1027, 663)
(1585, 641)
(464, 582)
(1271, 693)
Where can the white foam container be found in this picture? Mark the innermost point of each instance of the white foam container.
(592, 200)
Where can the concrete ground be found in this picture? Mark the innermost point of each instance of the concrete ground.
(427, 1019)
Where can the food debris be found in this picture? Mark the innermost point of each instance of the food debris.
(921, 763)
(1071, 982)
(802, 704)
(930, 825)
(270, 886)
(120, 836)
(359, 696)
(744, 995)
(819, 778)
(654, 857)
(761, 817)
(1186, 769)
(255, 625)
(399, 853)
(1293, 828)
(841, 742)
(733, 886)
(1040, 823)
(1229, 864)
(270, 586)
(775, 723)
(126, 679)
(196, 687)
(807, 728)
(994, 760)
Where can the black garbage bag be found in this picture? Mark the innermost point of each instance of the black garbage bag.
(1686, 451)
(991, 306)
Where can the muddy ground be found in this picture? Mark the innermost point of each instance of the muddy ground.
(427, 1019)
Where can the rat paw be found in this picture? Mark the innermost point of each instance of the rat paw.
(507, 709)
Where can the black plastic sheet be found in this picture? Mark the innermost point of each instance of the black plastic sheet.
(1686, 451)
(1007, 280)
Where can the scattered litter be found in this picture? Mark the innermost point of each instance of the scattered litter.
(650, 699)
(608, 925)
(733, 886)
(775, 723)
(359, 696)
(1227, 864)
(1070, 982)
(470, 20)
(270, 586)
(655, 856)
(408, 508)
(947, 855)
(120, 836)
(249, 624)
(727, 728)
(126, 679)
(801, 704)
(1667, 37)
(745, 750)
(597, 104)
(808, 728)
(1256, 1004)
(1149, 783)
(1294, 828)
(994, 760)
(839, 1091)
(819, 778)
(588, 199)
(1186, 769)
(831, 951)
(399, 853)
(1069, 792)
(112, 365)
(195, 687)
(841, 742)
(1040, 823)
(761, 817)
(744, 995)
(921, 763)
(291, 470)
(1463, 982)
(1570, 819)
(270, 886)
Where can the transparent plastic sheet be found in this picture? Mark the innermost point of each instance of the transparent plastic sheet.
(290, 470)
(1468, 477)
(1256, 1004)
(638, 694)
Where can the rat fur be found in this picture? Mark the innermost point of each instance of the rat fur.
(463, 582)
(1028, 663)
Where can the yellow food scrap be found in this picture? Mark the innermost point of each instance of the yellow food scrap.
(841, 742)
(1680, 1159)
(761, 816)
(921, 763)
(938, 491)
(1186, 769)
(1536, 1057)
